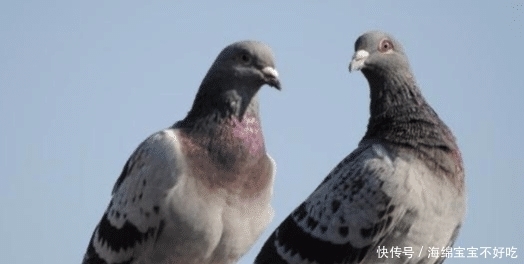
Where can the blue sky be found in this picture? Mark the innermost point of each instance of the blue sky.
(82, 84)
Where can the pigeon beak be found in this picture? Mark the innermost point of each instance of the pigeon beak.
(271, 77)
(357, 62)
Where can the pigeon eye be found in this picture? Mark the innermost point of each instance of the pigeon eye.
(245, 58)
(385, 45)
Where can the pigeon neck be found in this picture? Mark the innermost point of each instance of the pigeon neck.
(212, 100)
(397, 106)
(233, 148)
(400, 116)
(392, 94)
(230, 131)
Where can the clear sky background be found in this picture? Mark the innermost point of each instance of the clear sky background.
(82, 84)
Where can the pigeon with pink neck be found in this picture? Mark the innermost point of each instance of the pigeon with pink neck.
(199, 191)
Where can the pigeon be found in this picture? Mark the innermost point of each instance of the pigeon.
(200, 190)
(399, 196)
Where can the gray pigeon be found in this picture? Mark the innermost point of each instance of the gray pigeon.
(199, 191)
(399, 197)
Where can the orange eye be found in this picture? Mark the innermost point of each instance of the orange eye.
(385, 45)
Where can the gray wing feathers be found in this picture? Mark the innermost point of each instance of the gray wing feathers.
(133, 218)
(373, 197)
(153, 166)
(354, 200)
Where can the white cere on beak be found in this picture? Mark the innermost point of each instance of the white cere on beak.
(357, 62)
(270, 71)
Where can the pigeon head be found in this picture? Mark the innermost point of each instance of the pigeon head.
(250, 63)
(382, 60)
(378, 53)
(235, 77)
